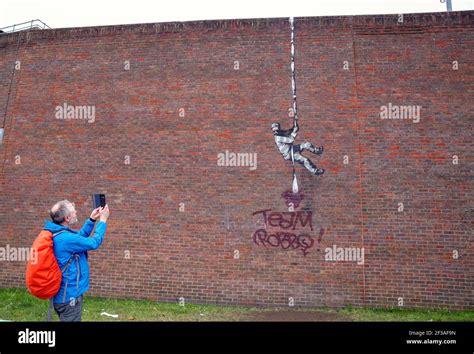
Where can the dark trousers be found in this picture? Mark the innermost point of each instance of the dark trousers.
(70, 311)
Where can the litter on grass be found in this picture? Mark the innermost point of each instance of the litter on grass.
(109, 315)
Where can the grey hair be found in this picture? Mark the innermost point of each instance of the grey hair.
(60, 210)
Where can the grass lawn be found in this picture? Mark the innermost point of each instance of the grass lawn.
(19, 305)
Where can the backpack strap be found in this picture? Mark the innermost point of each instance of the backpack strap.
(50, 309)
(66, 268)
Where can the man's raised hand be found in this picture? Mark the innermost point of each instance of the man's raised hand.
(104, 213)
(95, 213)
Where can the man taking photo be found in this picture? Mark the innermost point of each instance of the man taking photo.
(70, 249)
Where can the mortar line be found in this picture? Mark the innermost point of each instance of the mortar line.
(360, 158)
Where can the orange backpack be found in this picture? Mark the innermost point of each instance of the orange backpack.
(43, 276)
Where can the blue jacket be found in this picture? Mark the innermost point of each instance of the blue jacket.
(73, 245)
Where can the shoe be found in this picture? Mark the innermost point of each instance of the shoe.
(319, 171)
(320, 150)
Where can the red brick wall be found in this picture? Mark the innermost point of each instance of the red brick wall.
(173, 159)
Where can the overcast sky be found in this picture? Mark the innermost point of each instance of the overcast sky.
(80, 13)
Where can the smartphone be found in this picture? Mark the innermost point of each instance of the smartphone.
(98, 200)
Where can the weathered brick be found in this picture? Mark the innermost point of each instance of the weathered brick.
(173, 159)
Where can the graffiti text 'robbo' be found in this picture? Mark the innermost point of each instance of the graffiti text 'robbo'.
(286, 221)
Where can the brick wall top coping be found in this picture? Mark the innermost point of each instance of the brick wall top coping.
(361, 24)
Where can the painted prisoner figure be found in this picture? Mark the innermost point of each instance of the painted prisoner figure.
(285, 139)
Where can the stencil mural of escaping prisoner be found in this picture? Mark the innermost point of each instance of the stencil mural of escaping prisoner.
(285, 139)
(286, 237)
